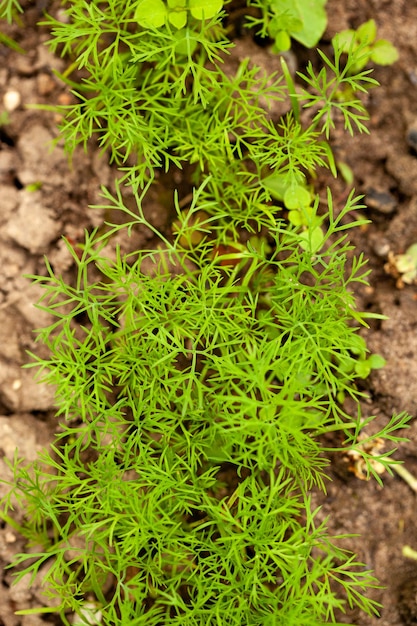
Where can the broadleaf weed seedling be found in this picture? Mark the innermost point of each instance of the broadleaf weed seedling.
(285, 19)
(380, 51)
(194, 380)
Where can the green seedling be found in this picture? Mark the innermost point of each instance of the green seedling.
(360, 361)
(364, 366)
(283, 20)
(34, 186)
(409, 553)
(404, 266)
(302, 210)
(379, 51)
(4, 118)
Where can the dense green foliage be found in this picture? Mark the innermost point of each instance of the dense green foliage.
(195, 380)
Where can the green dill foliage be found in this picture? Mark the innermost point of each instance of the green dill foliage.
(154, 90)
(10, 9)
(195, 380)
(173, 384)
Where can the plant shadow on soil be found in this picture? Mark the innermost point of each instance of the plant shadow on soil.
(385, 169)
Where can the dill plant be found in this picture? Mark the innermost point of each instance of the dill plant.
(194, 381)
(172, 385)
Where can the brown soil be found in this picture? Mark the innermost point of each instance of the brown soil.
(384, 164)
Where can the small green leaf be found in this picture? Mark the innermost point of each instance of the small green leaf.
(34, 186)
(363, 368)
(344, 40)
(286, 22)
(366, 33)
(276, 184)
(296, 197)
(408, 552)
(178, 20)
(205, 9)
(346, 365)
(311, 240)
(187, 43)
(340, 397)
(384, 53)
(282, 41)
(314, 19)
(412, 252)
(177, 15)
(358, 347)
(303, 20)
(376, 361)
(295, 218)
(151, 13)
